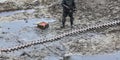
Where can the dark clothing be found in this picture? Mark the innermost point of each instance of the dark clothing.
(65, 14)
(68, 9)
(69, 3)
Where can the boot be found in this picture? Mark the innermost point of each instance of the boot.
(63, 26)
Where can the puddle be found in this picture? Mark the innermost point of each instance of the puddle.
(115, 56)
(51, 58)
(97, 57)
(22, 31)
(14, 12)
(1, 1)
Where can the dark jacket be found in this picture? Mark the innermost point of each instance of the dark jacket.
(68, 3)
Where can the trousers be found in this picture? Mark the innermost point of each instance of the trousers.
(65, 14)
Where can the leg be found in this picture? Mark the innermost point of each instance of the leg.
(64, 19)
(71, 18)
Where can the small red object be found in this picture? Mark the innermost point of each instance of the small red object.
(43, 25)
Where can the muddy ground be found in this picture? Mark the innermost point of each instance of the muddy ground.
(19, 26)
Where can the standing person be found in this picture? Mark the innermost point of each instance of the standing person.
(68, 10)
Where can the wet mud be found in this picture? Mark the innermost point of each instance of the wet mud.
(20, 26)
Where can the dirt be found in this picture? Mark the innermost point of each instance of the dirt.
(96, 42)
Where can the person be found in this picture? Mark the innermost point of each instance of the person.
(69, 8)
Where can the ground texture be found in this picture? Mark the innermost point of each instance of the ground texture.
(89, 12)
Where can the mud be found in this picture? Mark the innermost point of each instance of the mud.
(18, 27)
(2, 14)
